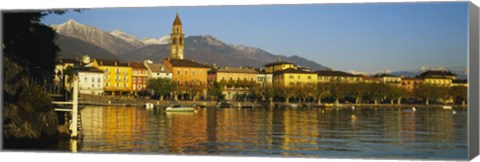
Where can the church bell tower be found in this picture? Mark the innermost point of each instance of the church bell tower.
(176, 39)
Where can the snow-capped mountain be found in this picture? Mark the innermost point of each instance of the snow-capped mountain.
(161, 40)
(129, 38)
(93, 35)
(78, 40)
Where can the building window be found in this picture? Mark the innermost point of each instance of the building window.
(93, 79)
(309, 77)
(186, 82)
(186, 72)
(178, 72)
(200, 72)
(124, 85)
(193, 72)
(291, 76)
(134, 79)
(117, 85)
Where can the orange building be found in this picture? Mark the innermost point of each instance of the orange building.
(409, 84)
(187, 73)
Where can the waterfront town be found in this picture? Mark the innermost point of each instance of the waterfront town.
(179, 78)
(157, 99)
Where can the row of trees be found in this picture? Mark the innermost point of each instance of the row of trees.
(357, 93)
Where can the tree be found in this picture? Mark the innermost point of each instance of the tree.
(459, 93)
(358, 91)
(426, 92)
(286, 92)
(27, 39)
(338, 91)
(376, 92)
(323, 90)
(216, 90)
(443, 93)
(161, 86)
(396, 93)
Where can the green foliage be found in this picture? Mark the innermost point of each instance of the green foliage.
(459, 93)
(34, 99)
(161, 86)
(216, 90)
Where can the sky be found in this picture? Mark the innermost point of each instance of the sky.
(362, 37)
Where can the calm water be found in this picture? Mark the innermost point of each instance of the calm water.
(369, 132)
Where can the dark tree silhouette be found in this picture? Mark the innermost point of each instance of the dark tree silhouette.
(27, 39)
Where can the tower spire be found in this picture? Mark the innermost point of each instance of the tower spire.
(279, 58)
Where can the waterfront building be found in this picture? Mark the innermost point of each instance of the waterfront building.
(61, 77)
(90, 81)
(330, 76)
(409, 84)
(238, 76)
(281, 65)
(158, 70)
(367, 79)
(188, 73)
(294, 77)
(232, 74)
(117, 76)
(438, 77)
(264, 78)
(140, 75)
(177, 39)
(460, 82)
(389, 79)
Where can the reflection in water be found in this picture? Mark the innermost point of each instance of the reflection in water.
(363, 132)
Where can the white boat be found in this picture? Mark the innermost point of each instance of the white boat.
(179, 109)
(447, 107)
(176, 107)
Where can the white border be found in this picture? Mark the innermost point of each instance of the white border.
(55, 4)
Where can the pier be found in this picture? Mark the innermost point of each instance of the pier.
(73, 119)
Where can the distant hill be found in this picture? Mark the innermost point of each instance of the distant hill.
(74, 48)
(77, 40)
(207, 49)
(94, 36)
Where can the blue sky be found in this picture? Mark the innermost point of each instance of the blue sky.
(367, 37)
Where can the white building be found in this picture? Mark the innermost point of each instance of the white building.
(158, 70)
(264, 78)
(90, 81)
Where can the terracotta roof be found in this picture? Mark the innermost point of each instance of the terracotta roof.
(186, 63)
(277, 63)
(138, 65)
(334, 73)
(411, 79)
(90, 69)
(157, 68)
(464, 81)
(437, 73)
(235, 70)
(103, 62)
(291, 70)
(177, 20)
(384, 75)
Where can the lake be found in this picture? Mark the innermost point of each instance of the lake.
(367, 132)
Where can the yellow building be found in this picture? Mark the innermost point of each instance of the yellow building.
(235, 75)
(278, 66)
(294, 77)
(438, 77)
(118, 76)
(460, 82)
(330, 76)
(232, 74)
